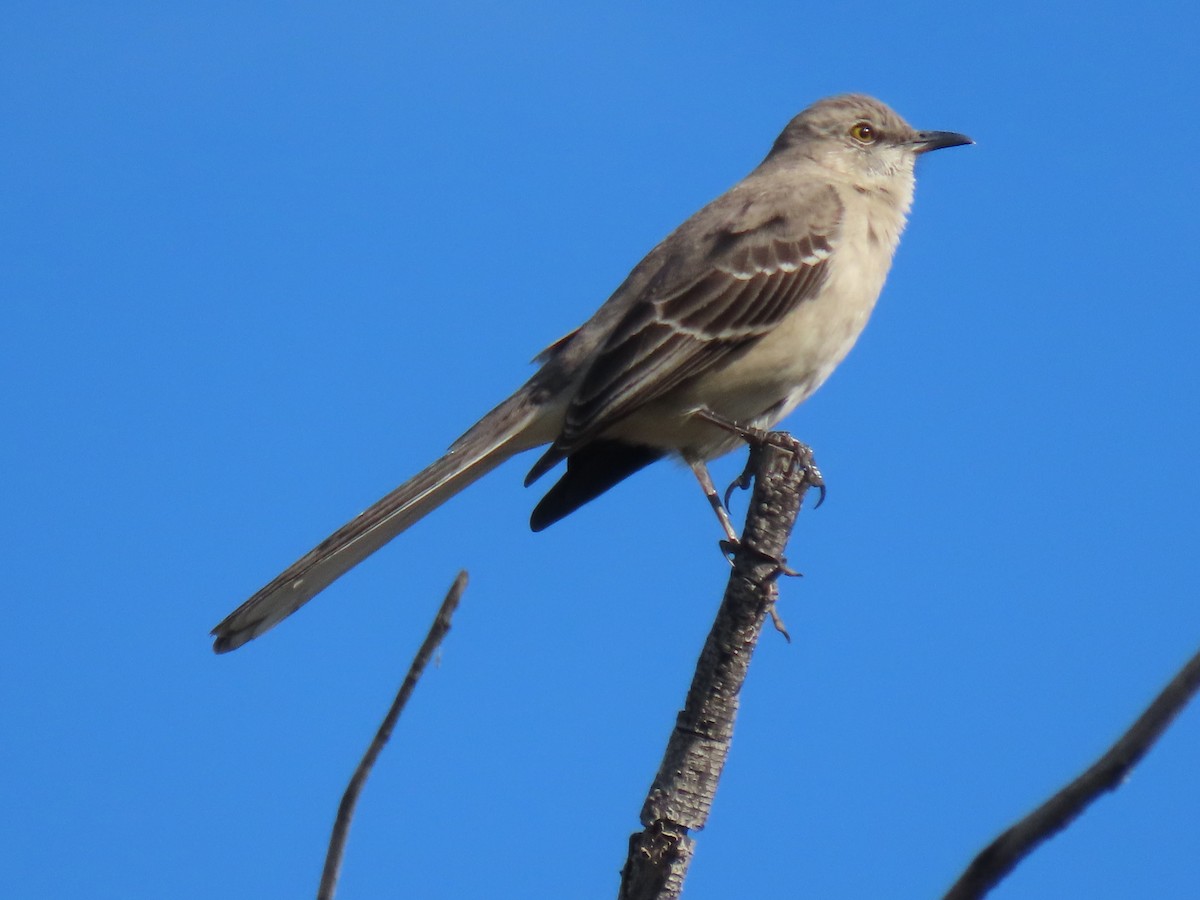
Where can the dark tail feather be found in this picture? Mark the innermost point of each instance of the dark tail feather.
(591, 471)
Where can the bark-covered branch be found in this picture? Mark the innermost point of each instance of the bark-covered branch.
(682, 792)
(1003, 854)
(341, 826)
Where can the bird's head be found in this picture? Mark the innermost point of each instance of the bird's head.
(861, 139)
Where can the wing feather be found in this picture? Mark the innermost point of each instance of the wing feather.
(753, 281)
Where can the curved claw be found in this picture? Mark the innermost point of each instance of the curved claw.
(742, 482)
(821, 496)
(814, 478)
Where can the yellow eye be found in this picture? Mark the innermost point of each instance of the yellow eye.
(864, 133)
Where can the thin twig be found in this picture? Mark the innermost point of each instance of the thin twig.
(1003, 854)
(341, 826)
(681, 796)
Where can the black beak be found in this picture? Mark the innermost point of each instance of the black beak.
(938, 140)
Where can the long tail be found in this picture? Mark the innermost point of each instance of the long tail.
(501, 434)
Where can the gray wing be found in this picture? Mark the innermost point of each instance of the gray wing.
(725, 289)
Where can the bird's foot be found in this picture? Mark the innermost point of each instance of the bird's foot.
(757, 439)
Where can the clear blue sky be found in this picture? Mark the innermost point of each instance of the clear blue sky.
(261, 262)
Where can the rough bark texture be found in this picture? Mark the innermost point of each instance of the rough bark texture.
(682, 793)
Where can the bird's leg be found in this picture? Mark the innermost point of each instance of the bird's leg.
(732, 543)
(754, 438)
(706, 484)
(751, 436)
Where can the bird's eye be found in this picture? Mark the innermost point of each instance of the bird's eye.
(864, 133)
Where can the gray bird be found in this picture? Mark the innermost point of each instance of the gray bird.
(739, 314)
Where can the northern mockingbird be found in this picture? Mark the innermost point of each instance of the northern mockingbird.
(741, 313)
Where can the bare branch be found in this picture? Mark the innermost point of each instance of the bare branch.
(682, 793)
(341, 826)
(1003, 854)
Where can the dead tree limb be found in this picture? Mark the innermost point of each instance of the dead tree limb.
(341, 825)
(1003, 854)
(682, 792)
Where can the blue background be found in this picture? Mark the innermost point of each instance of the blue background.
(261, 262)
